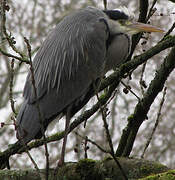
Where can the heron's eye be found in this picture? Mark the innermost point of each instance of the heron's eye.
(122, 21)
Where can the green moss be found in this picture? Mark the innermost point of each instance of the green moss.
(18, 175)
(142, 169)
(85, 167)
(86, 161)
(167, 37)
(89, 169)
(134, 168)
(145, 169)
(102, 96)
(107, 158)
(67, 172)
(130, 118)
(170, 175)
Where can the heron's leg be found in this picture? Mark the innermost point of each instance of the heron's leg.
(68, 117)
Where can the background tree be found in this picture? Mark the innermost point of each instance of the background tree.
(135, 99)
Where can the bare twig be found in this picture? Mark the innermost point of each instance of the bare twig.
(37, 105)
(169, 31)
(94, 143)
(86, 147)
(112, 97)
(12, 102)
(142, 82)
(31, 158)
(104, 115)
(10, 39)
(33, 161)
(13, 56)
(151, 10)
(156, 123)
(129, 89)
(27, 150)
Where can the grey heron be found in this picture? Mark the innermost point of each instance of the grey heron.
(75, 55)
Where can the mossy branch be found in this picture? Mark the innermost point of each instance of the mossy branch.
(90, 169)
(143, 106)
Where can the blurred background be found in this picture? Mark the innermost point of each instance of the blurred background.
(34, 19)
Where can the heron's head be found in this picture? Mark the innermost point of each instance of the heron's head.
(122, 22)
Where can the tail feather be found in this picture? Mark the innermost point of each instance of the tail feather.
(28, 122)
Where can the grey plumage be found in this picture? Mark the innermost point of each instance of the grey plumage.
(80, 50)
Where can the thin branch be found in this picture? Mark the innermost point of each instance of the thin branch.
(151, 10)
(169, 31)
(86, 147)
(94, 143)
(13, 56)
(103, 110)
(33, 161)
(27, 151)
(129, 89)
(38, 108)
(12, 102)
(142, 82)
(156, 124)
(10, 39)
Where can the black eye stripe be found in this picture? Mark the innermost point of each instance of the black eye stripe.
(115, 14)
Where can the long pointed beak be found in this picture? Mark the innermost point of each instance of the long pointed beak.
(141, 27)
